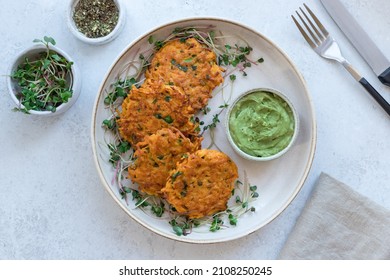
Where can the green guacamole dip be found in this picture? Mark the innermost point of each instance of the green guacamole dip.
(261, 124)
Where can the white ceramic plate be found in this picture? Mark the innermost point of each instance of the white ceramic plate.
(278, 181)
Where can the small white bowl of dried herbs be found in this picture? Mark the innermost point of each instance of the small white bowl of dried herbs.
(43, 79)
(96, 22)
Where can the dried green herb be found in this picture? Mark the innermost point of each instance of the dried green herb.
(96, 18)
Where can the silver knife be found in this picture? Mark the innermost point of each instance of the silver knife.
(379, 63)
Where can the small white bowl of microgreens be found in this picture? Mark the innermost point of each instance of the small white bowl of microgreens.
(43, 79)
(96, 22)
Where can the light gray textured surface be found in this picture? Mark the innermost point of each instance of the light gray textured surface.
(52, 204)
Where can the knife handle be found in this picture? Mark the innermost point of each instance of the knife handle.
(385, 77)
(371, 90)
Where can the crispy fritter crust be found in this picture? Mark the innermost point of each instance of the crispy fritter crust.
(156, 156)
(190, 65)
(201, 184)
(154, 106)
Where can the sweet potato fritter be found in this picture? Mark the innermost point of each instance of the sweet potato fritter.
(201, 184)
(190, 65)
(154, 106)
(156, 156)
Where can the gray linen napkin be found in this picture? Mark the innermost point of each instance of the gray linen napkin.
(339, 223)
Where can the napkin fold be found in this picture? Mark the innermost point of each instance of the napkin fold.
(338, 223)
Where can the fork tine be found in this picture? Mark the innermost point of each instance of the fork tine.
(319, 34)
(319, 24)
(313, 36)
(307, 38)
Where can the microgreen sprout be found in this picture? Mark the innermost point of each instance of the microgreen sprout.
(213, 123)
(216, 223)
(158, 210)
(155, 205)
(124, 191)
(109, 123)
(45, 81)
(206, 110)
(120, 90)
(116, 151)
(232, 219)
(181, 226)
(247, 194)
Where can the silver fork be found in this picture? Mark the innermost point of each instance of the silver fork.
(324, 45)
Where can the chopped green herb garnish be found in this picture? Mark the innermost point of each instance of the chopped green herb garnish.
(168, 119)
(187, 60)
(175, 175)
(181, 67)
